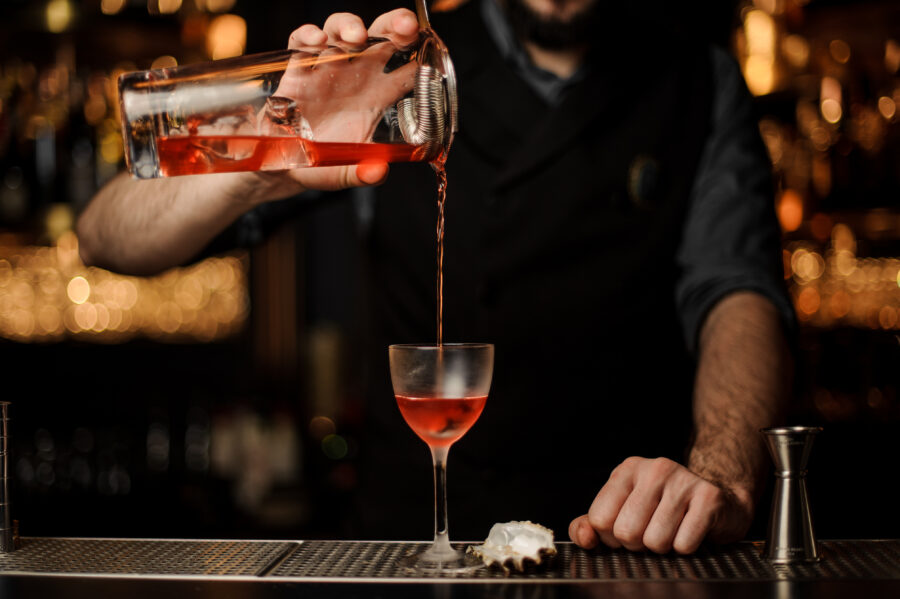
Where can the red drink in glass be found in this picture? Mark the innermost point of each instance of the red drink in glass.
(440, 421)
(203, 154)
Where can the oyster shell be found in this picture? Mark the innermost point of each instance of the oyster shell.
(514, 543)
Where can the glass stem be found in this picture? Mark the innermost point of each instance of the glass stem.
(441, 533)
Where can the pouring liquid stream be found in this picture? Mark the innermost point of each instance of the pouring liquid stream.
(441, 173)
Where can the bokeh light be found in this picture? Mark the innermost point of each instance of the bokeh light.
(887, 107)
(169, 6)
(58, 15)
(164, 62)
(335, 447)
(790, 210)
(111, 7)
(759, 64)
(48, 294)
(839, 50)
(226, 37)
(78, 290)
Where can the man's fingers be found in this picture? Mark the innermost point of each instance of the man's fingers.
(332, 178)
(660, 532)
(608, 502)
(307, 35)
(582, 534)
(371, 173)
(636, 512)
(400, 26)
(704, 507)
(344, 28)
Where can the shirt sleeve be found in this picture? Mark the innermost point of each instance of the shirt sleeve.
(731, 239)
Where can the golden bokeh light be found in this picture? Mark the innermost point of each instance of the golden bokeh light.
(164, 62)
(48, 294)
(842, 238)
(838, 288)
(770, 6)
(790, 210)
(830, 98)
(215, 5)
(759, 72)
(168, 7)
(226, 37)
(839, 50)
(85, 316)
(111, 7)
(49, 319)
(840, 304)
(759, 65)
(58, 15)
(887, 107)
(892, 56)
(78, 290)
(807, 266)
(808, 302)
(831, 110)
(795, 49)
(887, 317)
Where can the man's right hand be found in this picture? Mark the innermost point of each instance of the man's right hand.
(348, 32)
(144, 227)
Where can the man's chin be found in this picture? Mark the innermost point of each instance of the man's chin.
(553, 24)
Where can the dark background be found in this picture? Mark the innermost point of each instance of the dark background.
(89, 417)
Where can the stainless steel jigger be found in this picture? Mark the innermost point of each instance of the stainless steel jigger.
(790, 539)
(7, 540)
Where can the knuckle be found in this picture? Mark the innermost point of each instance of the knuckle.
(347, 177)
(662, 466)
(599, 518)
(657, 542)
(711, 495)
(627, 533)
(625, 468)
(632, 462)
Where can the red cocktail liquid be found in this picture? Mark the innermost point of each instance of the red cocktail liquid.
(441, 173)
(440, 421)
(201, 154)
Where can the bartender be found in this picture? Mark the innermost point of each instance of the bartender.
(609, 227)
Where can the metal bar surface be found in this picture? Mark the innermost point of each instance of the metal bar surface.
(375, 562)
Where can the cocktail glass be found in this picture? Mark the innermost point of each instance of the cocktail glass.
(441, 391)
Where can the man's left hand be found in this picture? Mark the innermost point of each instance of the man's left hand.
(660, 505)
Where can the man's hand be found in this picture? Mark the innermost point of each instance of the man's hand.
(144, 227)
(743, 384)
(309, 87)
(339, 82)
(662, 506)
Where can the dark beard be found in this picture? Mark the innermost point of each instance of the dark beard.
(552, 33)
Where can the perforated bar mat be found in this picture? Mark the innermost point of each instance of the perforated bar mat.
(357, 561)
(115, 557)
(742, 561)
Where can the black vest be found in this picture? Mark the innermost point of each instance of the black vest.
(562, 226)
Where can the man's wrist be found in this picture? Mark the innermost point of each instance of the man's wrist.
(246, 190)
(740, 491)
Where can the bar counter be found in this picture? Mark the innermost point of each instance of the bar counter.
(67, 567)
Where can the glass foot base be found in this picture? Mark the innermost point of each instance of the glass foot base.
(432, 562)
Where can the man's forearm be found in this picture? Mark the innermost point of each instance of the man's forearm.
(742, 384)
(144, 227)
